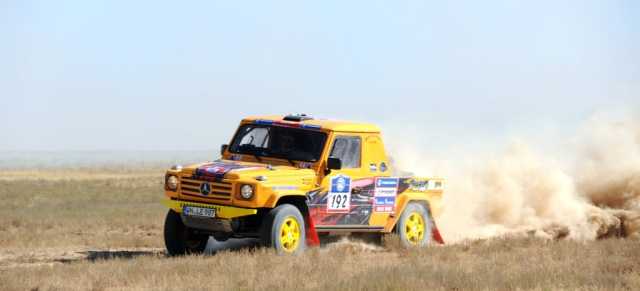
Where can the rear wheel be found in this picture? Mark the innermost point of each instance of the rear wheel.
(283, 229)
(180, 239)
(414, 226)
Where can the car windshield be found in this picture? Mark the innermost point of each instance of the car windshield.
(279, 142)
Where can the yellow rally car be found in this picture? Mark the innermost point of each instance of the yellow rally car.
(286, 179)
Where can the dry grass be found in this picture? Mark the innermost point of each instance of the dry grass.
(107, 234)
(504, 264)
(114, 174)
(45, 211)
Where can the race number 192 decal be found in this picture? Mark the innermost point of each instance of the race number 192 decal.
(339, 194)
(338, 201)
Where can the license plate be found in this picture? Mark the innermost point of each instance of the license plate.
(199, 211)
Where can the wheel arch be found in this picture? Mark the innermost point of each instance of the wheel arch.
(391, 224)
(299, 202)
(425, 204)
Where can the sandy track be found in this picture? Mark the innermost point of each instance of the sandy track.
(30, 258)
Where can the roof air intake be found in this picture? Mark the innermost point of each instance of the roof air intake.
(297, 117)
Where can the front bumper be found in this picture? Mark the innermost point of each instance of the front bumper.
(221, 211)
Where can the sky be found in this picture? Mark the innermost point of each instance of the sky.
(180, 75)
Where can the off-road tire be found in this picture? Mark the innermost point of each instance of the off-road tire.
(179, 240)
(414, 227)
(283, 229)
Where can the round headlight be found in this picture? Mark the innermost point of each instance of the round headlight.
(172, 182)
(246, 191)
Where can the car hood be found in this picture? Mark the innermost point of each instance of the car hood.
(233, 170)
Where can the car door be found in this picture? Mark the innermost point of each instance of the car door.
(347, 195)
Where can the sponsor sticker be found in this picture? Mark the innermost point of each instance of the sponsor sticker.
(373, 167)
(236, 157)
(219, 169)
(386, 187)
(304, 165)
(372, 138)
(436, 185)
(216, 170)
(387, 182)
(287, 124)
(419, 185)
(339, 196)
(386, 201)
(383, 167)
(384, 204)
(385, 195)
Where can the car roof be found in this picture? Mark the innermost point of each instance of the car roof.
(314, 123)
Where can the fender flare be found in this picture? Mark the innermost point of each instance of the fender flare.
(427, 206)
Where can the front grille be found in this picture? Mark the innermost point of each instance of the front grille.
(220, 191)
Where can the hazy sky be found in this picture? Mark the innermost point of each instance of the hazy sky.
(179, 75)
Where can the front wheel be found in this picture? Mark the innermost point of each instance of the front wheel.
(283, 229)
(414, 226)
(181, 240)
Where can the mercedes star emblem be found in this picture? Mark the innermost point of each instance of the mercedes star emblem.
(205, 188)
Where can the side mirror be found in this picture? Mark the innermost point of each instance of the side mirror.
(223, 148)
(334, 163)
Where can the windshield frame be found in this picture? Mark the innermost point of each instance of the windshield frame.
(309, 144)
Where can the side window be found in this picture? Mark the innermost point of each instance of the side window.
(347, 148)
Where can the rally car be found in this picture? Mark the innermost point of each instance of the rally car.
(287, 179)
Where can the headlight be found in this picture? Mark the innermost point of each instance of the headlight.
(172, 182)
(246, 192)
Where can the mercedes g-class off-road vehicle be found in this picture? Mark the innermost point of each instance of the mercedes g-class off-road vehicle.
(286, 179)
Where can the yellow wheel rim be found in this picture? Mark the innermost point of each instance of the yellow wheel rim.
(414, 228)
(290, 234)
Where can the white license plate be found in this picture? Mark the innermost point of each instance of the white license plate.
(199, 211)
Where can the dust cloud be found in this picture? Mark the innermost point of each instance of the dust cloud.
(584, 187)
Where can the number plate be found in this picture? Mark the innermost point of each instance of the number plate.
(339, 202)
(199, 211)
